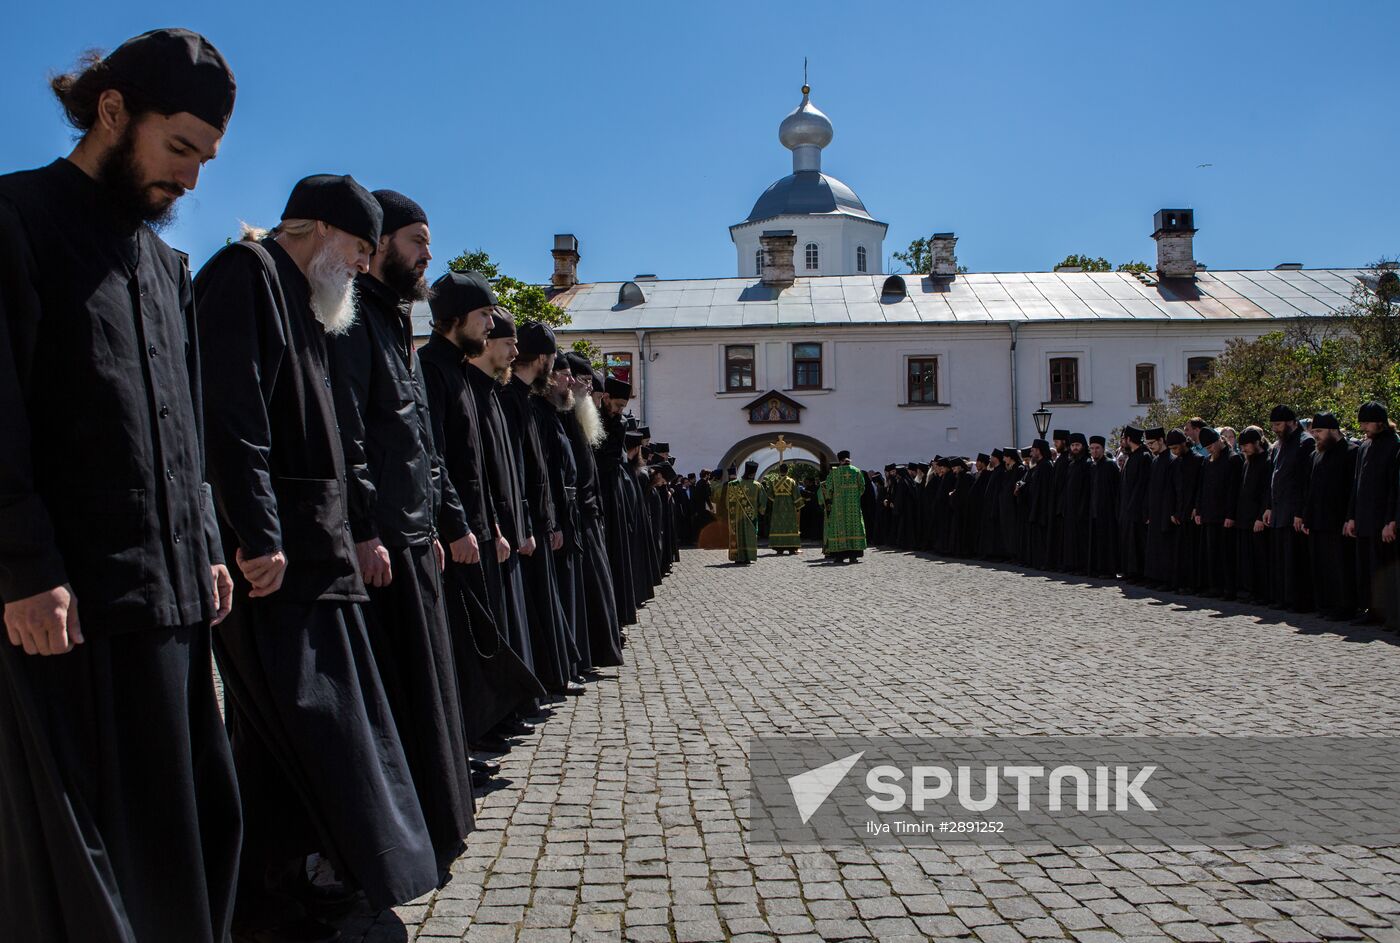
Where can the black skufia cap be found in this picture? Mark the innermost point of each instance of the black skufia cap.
(1176, 437)
(176, 70)
(1156, 432)
(536, 338)
(1209, 436)
(501, 326)
(997, 454)
(1326, 421)
(983, 457)
(617, 389)
(399, 211)
(459, 293)
(338, 201)
(1078, 437)
(561, 362)
(599, 386)
(1060, 434)
(1133, 433)
(1372, 412)
(843, 455)
(1282, 413)
(579, 365)
(1097, 440)
(1250, 437)
(661, 446)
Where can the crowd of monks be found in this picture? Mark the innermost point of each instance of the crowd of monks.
(398, 557)
(1301, 518)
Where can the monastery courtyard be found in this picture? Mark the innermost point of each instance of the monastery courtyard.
(623, 816)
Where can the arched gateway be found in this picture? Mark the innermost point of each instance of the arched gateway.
(767, 448)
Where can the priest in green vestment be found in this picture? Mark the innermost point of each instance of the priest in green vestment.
(843, 537)
(784, 529)
(744, 500)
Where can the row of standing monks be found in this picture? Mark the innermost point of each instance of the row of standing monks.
(395, 556)
(1307, 522)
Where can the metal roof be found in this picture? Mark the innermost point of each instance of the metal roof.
(807, 193)
(977, 298)
(967, 299)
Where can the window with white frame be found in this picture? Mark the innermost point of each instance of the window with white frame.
(813, 256)
(758, 262)
(1064, 379)
(860, 259)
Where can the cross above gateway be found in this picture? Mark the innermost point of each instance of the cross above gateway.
(781, 446)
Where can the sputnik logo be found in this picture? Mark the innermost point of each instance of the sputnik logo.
(810, 789)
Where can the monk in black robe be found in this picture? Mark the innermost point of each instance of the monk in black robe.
(305, 701)
(1160, 562)
(1132, 505)
(989, 523)
(1291, 461)
(1039, 494)
(495, 683)
(1372, 513)
(1331, 551)
(1104, 501)
(1186, 572)
(119, 814)
(611, 395)
(1219, 495)
(1009, 517)
(401, 505)
(550, 633)
(977, 498)
(1075, 506)
(1252, 541)
(1061, 439)
(562, 470)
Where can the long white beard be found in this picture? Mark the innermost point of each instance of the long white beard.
(332, 292)
(588, 420)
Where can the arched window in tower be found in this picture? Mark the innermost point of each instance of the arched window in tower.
(860, 258)
(813, 257)
(758, 262)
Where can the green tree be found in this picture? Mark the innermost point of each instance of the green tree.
(1087, 263)
(592, 351)
(918, 257)
(1141, 268)
(525, 301)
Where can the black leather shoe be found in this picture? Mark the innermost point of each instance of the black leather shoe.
(480, 781)
(486, 767)
(515, 728)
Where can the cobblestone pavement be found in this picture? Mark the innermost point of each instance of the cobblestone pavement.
(622, 819)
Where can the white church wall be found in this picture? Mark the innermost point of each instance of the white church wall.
(836, 236)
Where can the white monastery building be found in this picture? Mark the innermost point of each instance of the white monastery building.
(811, 341)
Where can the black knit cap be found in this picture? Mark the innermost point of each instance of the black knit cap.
(399, 211)
(1326, 420)
(579, 365)
(1209, 436)
(338, 201)
(176, 70)
(535, 338)
(501, 326)
(459, 293)
(1372, 412)
(1176, 437)
(617, 389)
(1282, 413)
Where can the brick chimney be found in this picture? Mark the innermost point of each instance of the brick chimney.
(943, 261)
(778, 246)
(565, 262)
(1173, 230)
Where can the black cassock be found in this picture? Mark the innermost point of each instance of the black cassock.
(119, 814)
(550, 634)
(989, 521)
(1252, 541)
(612, 464)
(1104, 530)
(1187, 468)
(1160, 563)
(599, 594)
(1132, 514)
(1009, 514)
(505, 488)
(649, 522)
(1291, 459)
(398, 494)
(1057, 542)
(960, 499)
(1039, 495)
(976, 502)
(906, 512)
(1373, 505)
(305, 696)
(1075, 486)
(872, 502)
(642, 551)
(568, 559)
(1219, 495)
(1333, 554)
(493, 681)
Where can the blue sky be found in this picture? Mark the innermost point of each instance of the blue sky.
(1030, 129)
